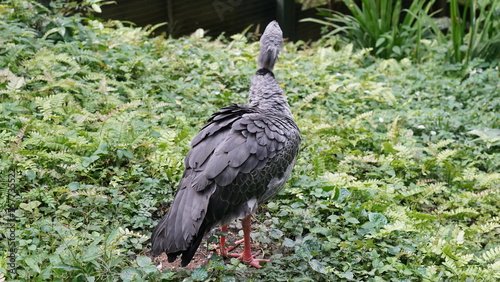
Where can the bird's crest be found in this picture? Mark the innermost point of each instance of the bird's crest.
(270, 46)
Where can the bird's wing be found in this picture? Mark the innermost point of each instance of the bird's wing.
(255, 150)
(178, 229)
(235, 141)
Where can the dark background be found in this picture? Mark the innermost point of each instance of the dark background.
(228, 16)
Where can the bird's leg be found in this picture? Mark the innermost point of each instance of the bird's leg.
(247, 256)
(222, 249)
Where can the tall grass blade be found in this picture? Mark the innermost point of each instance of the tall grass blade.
(456, 30)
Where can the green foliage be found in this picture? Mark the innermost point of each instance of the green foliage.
(397, 178)
(391, 32)
(473, 34)
(471, 31)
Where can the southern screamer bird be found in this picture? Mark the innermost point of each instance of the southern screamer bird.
(240, 159)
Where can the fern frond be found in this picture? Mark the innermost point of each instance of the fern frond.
(131, 233)
(483, 179)
(50, 104)
(84, 56)
(376, 182)
(68, 167)
(321, 127)
(88, 193)
(398, 225)
(119, 109)
(424, 181)
(360, 159)
(363, 116)
(160, 105)
(6, 138)
(460, 238)
(435, 188)
(492, 254)
(484, 228)
(393, 130)
(306, 102)
(451, 264)
(482, 194)
(46, 59)
(380, 93)
(445, 155)
(496, 268)
(338, 179)
(461, 211)
(389, 96)
(434, 147)
(93, 76)
(404, 151)
(20, 135)
(12, 56)
(469, 174)
(397, 213)
(488, 179)
(411, 191)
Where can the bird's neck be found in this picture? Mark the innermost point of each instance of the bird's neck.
(266, 95)
(271, 103)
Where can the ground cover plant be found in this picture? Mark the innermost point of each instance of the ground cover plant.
(397, 179)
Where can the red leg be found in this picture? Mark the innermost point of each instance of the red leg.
(222, 242)
(222, 249)
(247, 256)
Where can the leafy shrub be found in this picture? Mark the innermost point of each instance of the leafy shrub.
(384, 26)
(473, 30)
(474, 34)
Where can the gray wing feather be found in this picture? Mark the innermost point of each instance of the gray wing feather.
(250, 164)
(197, 157)
(218, 156)
(237, 156)
(227, 176)
(233, 142)
(261, 138)
(252, 128)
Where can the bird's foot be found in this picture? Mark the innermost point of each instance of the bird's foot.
(250, 259)
(223, 251)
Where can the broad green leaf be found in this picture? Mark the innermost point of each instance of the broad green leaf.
(143, 261)
(91, 253)
(129, 274)
(34, 265)
(317, 266)
(199, 274)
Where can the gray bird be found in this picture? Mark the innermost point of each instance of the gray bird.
(240, 159)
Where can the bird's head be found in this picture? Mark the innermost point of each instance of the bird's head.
(270, 46)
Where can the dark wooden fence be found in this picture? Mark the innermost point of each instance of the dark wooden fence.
(216, 16)
(227, 16)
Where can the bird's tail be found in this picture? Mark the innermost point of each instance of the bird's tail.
(181, 230)
(165, 238)
(270, 46)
